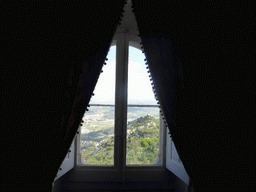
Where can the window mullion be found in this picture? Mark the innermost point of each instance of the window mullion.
(122, 47)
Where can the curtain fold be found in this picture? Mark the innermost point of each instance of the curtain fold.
(194, 51)
(165, 65)
(87, 73)
(53, 55)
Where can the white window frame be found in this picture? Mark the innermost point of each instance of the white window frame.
(120, 170)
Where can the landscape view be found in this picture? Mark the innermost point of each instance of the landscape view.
(97, 136)
(97, 130)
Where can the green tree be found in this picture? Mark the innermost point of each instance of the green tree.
(144, 143)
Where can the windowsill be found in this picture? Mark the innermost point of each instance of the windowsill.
(134, 180)
(113, 168)
(107, 175)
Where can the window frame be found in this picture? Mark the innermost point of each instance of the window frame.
(117, 172)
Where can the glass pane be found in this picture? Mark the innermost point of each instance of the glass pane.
(97, 131)
(143, 136)
(139, 84)
(104, 92)
(97, 136)
(142, 147)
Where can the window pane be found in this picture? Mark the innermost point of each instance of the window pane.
(97, 131)
(143, 136)
(139, 84)
(105, 88)
(142, 146)
(97, 136)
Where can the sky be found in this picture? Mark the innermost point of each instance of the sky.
(139, 84)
